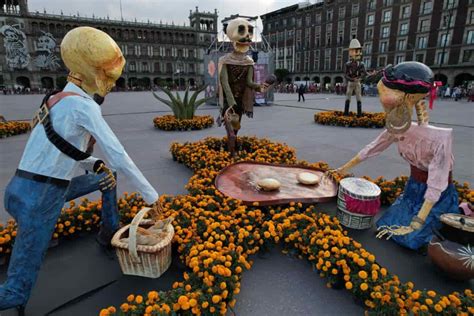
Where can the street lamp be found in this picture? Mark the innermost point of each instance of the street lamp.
(445, 42)
(179, 79)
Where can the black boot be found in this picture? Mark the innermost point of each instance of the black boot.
(346, 107)
(359, 108)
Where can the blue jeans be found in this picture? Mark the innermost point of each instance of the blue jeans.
(36, 207)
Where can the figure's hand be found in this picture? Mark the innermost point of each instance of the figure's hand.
(394, 230)
(263, 87)
(108, 182)
(157, 209)
(328, 176)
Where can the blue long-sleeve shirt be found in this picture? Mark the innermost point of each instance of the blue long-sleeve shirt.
(76, 118)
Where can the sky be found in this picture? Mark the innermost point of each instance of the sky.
(156, 10)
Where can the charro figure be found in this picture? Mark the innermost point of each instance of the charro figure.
(64, 127)
(428, 149)
(354, 71)
(236, 85)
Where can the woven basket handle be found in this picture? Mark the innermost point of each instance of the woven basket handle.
(132, 240)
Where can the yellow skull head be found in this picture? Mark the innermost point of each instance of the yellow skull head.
(93, 58)
(240, 32)
(398, 107)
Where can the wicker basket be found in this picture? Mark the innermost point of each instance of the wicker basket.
(140, 260)
(353, 220)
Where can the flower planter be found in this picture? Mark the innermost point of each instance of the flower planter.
(171, 123)
(337, 118)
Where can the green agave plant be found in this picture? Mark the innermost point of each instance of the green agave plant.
(182, 108)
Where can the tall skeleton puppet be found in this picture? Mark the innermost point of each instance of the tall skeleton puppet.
(236, 85)
(354, 71)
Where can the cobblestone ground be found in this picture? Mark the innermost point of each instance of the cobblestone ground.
(276, 285)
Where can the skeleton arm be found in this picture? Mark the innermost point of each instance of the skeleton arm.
(346, 72)
(224, 78)
(363, 71)
(350, 164)
(250, 82)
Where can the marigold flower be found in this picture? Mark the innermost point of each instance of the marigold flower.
(431, 293)
(124, 307)
(216, 299)
(362, 274)
(104, 312)
(349, 285)
(364, 286)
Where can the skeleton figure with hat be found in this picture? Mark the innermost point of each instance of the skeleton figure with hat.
(65, 128)
(354, 72)
(236, 85)
(428, 149)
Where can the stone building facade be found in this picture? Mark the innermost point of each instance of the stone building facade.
(311, 40)
(155, 52)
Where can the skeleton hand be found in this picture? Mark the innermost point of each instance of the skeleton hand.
(329, 175)
(389, 231)
(157, 209)
(108, 182)
(395, 230)
(263, 87)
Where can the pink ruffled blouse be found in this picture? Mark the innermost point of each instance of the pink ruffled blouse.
(426, 147)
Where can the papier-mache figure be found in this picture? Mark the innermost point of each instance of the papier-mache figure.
(428, 149)
(354, 72)
(236, 85)
(66, 126)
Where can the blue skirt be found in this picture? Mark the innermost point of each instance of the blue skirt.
(409, 204)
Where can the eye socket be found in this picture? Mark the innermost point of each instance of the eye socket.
(250, 29)
(241, 29)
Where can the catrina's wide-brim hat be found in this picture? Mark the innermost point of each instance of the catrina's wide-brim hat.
(411, 77)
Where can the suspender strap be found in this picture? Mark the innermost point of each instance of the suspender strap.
(57, 140)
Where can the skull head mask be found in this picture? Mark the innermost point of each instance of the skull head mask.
(46, 42)
(93, 58)
(240, 32)
(355, 50)
(402, 88)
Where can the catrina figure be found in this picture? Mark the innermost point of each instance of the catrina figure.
(428, 149)
(236, 85)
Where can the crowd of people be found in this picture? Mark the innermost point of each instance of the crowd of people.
(338, 88)
(456, 93)
(370, 89)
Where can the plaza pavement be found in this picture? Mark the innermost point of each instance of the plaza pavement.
(277, 284)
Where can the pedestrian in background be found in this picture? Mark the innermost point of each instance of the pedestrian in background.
(301, 91)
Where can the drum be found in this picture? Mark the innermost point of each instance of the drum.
(452, 247)
(358, 200)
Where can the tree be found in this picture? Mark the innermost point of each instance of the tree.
(281, 74)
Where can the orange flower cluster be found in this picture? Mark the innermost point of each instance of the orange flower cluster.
(11, 128)
(171, 123)
(215, 236)
(337, 118)
(464, 191)
(75, 219)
